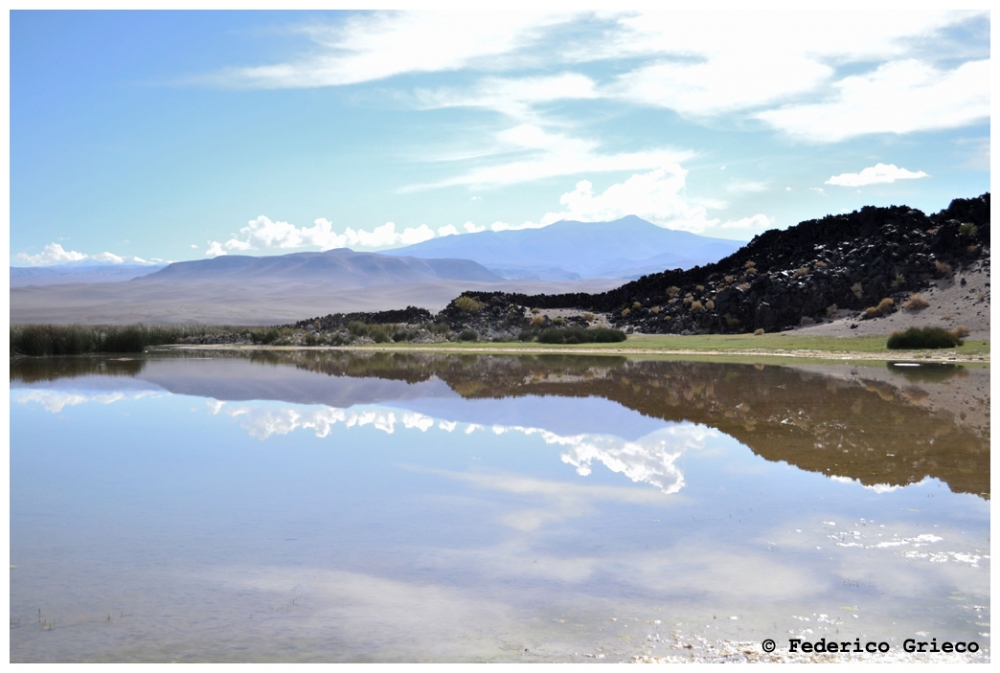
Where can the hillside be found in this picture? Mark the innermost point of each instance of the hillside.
(567, 250)
(339, 268)
(806, 274)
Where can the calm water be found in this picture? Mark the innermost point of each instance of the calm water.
(426, 507)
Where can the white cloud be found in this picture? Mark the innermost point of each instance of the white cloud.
(657, 196)
(473, 228)
(514, 97)
(756, 223)
(376, 46)
(449, 230)
(262, 234)
(746, 187)
(545, 154)
(53, 253)
(875, 175)
(898, 97)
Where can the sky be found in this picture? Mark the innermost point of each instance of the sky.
(140, 136)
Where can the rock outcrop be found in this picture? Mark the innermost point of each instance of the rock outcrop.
(782, 279)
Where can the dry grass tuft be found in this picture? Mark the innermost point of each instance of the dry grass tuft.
(916, 302)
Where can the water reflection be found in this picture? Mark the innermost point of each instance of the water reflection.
(409, 507)
(883, 427)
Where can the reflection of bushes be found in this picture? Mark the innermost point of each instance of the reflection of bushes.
(923, 337)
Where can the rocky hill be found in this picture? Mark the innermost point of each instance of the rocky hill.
(782, 279)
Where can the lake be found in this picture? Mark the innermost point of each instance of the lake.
(306, 506)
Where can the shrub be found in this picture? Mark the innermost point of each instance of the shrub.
(972, 250)
(578, 335)
(673, 291)
(831, 310)
(961, 332)
(699, 288)
(626, 312)
(655, 310)
(588, 316)
(744, 286)
(942, 267)
(900, 280)
(885, 306)
(916, 302)
(468, 304)
(729, 280)
(636, 305)
(558, 321)
(758, 331)
(820, 264)
(806, 320)
(697, 306)
(536, 311)
(923, 337)
(968, 229)
(801, 271)
(468, 335)
(731, 321)
(710, 305)
(357, 328)
(857, 290)
(538, 321)
(439, 328)
(380, 333)
(750, 264)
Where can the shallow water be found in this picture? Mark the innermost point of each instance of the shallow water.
(379, 507)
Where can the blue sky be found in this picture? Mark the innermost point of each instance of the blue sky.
(181, 135)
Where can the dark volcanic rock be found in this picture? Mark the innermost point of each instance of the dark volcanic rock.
(784, 278)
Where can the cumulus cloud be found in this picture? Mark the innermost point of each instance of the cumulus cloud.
(262, 233)
(53, 253)
(449, 230)
(657, 196)
(875, 175)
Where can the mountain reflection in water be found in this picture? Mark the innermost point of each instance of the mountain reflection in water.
(883, 427)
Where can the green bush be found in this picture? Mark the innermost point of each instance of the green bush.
(468, 335)
(579, 335)
(468, 304)
(923, 337)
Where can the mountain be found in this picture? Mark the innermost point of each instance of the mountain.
(339, 268)
(567, 250)
(61, 274)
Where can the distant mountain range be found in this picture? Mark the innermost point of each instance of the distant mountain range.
(339, 268)
(64, 274)
(627, 248)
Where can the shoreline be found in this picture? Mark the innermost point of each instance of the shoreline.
(945, 356)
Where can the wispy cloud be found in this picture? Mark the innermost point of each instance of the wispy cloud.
(375, 46)
(899, 97)
(546, 154)
(875, 175)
